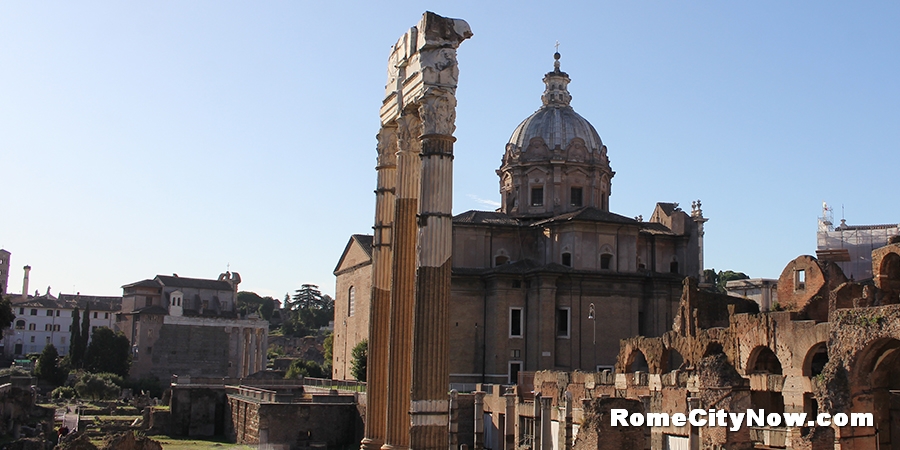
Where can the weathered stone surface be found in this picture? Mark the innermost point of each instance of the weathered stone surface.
(597, 432)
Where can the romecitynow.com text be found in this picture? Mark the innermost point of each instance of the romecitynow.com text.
(734, 421)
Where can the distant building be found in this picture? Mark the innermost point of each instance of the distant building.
(45, 319)
(851, 246)
(4, 270)
(351, 302)
(763, 291)
(190, 326)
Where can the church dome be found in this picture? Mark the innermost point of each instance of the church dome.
(556, 123)
(554, 162)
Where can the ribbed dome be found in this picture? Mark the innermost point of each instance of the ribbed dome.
(556, 122)
(557, 126)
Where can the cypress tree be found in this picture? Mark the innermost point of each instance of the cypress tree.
(75, 352)
(85, 327)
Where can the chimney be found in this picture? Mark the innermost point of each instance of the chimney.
(25, 283)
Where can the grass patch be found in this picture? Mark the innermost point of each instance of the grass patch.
(169, 443)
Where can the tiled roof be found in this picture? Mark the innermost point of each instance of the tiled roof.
(485, 217)
(656, 229)
(194, 283)
(589, 214)
(365, 241)
(72, 301)
(143, 283)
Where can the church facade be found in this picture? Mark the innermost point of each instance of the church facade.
(552, 279)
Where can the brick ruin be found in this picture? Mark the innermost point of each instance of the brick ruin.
(830, 346)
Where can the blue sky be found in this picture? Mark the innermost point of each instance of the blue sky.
(181, 137)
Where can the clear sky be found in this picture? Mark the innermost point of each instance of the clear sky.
(144, 138)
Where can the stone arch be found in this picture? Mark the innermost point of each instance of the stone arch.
(763, 360)
(672, 360)
(874, 382)
(713, 348)
(887, 270)
(815, 360)
(637, 361)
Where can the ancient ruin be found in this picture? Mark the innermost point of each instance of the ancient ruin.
(408, 354)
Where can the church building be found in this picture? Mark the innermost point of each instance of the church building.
(552, 279)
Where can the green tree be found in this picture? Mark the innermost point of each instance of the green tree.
(85, 328)
(328, 344)
(6, 313)
(360, 356)
(47, 368)
(97, 386)
(76, 352)
(301, 367)
(108, 352)
(720, 278)
(308, 311)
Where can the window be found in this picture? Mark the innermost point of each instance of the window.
(50, 312)
(20, 324)
(48, 340)
(32, 338)
(563, 316)
(515, 322)
(501, 260)
(32, 327)
(514, 368)
(567, 259)
(21, 311)
(799, 280)
(605, 261)
(673, 267)
(575, 196)
(48, 327)
(33, 312)
(537, 196)
(106, 315)
(55, 327)
(351, 307)
(95, 314)
(57, 313)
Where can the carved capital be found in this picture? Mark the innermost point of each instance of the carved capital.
(409, 128)
(387, 146)
(438, 112)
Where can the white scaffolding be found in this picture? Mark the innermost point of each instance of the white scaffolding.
(850, 246)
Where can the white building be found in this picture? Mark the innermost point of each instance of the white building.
(46, 319)
(763, 291)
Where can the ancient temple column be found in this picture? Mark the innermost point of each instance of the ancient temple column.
(253, 352)
(478, 443)
(454, 420)
(403, 285)
(546, 424)
(380, 308)
(536, 425)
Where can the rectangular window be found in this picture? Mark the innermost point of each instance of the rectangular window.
(799, 280)
(50, 312)
(514, 368)
(563, 316)
(21, 311)
(352, 306)
(32, 339)
(106, 315)
(605, 261)
(515, 322)
(575, 196)
(57, 313)
(32, 327)
(33, 312)
(95, 314)
(537, 196)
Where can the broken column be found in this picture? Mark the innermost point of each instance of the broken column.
(409, 326)
(479, 421)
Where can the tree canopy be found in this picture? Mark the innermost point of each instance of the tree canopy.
(47, 367)
(251, 302)
(109, 351)
(309, 310)
(360, 355)
(6, 313)
(719, 279)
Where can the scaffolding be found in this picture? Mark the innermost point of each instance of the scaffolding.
(851, 246)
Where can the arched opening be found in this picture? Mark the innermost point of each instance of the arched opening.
(673, 267)
(763, 360)
(637, 363)
(673, 360)
(815, 360)
(889, 282)
(713, 348)
(876, 389)
(567, 259)
(20, 324)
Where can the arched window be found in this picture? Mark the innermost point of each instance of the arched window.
(351, 301)
(20, 324)
(567, 259)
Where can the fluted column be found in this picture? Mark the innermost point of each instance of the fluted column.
(403, 285)
(380, 307)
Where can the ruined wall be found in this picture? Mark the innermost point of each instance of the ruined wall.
(197, 411)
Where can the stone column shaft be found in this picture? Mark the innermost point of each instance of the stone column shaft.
(536, 432)
(479, 421)
(380, 307)
(403, 287)
(454, 420)
(546, 425)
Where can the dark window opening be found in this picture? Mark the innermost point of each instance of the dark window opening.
(514, 369)
(576, 196)
(567, 259)
(515, 322)
(673, 267)
(501, 260)
(537, 196)
(516, 284)
(562, 322)
(605, 261)
(642, 329)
